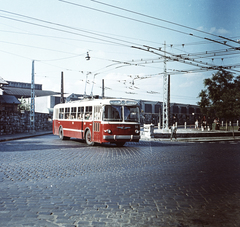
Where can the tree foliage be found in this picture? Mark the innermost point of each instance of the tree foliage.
(23, 105)
(221, 98)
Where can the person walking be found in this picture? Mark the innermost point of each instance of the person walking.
(173, 132)
(196, 124)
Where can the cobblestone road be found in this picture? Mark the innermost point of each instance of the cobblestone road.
(48, 182)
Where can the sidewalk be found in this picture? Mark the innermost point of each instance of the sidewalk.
(25, 135)
(183, 135)
(191, 135)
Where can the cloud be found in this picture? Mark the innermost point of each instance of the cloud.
(186, 84)
(220, 31)
(200, 28)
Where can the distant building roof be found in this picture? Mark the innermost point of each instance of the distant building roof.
(26, 93)
(8, 99)
(23, 85)
(3, 82)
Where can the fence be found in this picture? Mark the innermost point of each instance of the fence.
(211, 126)
(11, 123)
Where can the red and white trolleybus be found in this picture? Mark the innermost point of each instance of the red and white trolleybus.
(98, 121)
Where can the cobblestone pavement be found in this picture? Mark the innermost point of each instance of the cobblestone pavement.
(48, 182)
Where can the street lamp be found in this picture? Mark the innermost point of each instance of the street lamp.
(87, 57)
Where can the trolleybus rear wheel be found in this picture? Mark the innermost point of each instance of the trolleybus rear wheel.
(61, 136)
(88, 138)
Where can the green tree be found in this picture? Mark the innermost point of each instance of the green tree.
(221, 97)
(23, 105)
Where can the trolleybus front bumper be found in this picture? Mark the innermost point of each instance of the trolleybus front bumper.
(121, 137)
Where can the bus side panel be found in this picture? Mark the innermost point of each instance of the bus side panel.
(81, 129)
(65, 124)
(55, 127)
(73, 129)
(87, 125)
(68, 129)
(97, 132)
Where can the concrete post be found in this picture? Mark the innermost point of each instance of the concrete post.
(148, 130)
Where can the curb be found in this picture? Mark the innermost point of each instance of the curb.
(21, 136)
(193, 139)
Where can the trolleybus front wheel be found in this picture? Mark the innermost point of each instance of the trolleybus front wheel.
(88, 138)
(120, 144)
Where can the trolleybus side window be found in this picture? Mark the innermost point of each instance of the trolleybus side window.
(67, 112)
(97, 113)
(61, 113)
(112, 113)
(80, 112)
(56, 113)
(88, 113)
(73, 112)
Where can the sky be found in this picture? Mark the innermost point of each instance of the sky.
(131, 43)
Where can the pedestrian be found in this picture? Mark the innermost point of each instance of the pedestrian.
(173, 132)
(196, 124)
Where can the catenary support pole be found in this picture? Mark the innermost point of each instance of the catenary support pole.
(32, 111)
(166, 94)
(62, 91)
(102, 88)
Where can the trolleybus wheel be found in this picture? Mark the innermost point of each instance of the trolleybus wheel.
(88, 138)
(120, 144)
(61, 136)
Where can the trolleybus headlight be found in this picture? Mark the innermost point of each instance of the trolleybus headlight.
(137, 131)
(108, 131)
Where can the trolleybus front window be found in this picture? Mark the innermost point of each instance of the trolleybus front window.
(112, 113)
(131, 114)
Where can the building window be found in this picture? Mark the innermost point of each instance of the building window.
(157, 108)
(148, 108)
(191, 110)
(183, 109)
(175, 109)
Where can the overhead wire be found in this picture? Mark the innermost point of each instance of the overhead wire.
(126, 43)
(159, 19)
(185, 60)
(148, 23)
(107, 38)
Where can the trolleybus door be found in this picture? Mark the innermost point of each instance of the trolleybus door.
(96, 124)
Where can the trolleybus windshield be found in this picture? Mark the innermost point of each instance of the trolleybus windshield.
(115, 113)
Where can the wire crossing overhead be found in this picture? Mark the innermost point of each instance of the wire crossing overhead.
(187, 60)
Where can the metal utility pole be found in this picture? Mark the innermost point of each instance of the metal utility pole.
(62, 92)
(166, 94)
(32, 111)
(102, 88)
